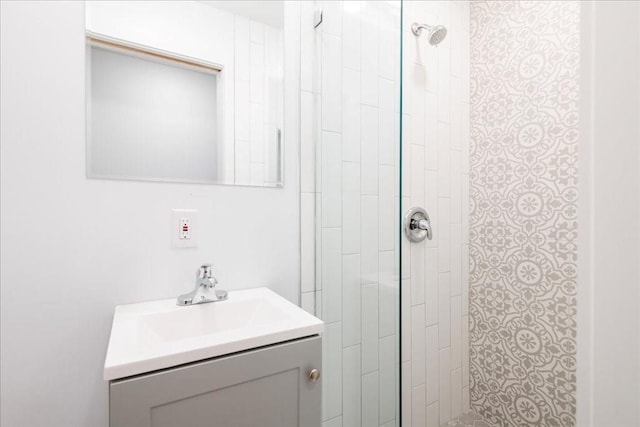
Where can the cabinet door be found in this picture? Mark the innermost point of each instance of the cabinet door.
(266, 387)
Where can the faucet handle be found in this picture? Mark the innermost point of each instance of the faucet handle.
(204, 272)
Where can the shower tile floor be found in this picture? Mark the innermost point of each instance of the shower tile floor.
(470, 419)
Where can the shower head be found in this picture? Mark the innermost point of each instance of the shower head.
(435, 34)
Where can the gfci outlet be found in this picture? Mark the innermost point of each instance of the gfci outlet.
(184, 228)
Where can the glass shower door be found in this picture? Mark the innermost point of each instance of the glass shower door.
(350, 124)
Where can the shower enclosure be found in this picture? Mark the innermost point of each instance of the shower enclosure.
(395, 123)
(382, 126)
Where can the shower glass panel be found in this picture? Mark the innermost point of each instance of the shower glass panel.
(350, 142)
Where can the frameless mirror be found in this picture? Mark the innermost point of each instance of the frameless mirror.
(185, 91)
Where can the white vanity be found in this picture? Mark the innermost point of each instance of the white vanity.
(253, 359)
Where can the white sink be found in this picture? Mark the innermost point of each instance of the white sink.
(159, 334)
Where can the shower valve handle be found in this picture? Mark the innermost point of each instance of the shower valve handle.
(421, 224)
(417, 225)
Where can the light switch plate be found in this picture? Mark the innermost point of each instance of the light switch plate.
(180, 217)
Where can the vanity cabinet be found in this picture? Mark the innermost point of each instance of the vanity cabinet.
(271, 386)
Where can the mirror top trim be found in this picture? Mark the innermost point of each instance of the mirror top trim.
(112, 43)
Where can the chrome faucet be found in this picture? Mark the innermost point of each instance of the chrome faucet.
(205, 289)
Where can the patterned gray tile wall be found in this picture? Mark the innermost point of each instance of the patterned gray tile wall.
(524, 136)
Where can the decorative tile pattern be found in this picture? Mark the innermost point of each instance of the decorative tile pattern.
(524, 119)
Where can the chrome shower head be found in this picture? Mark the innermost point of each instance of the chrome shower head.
(435, 34)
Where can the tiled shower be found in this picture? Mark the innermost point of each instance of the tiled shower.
(489, 149)
(436, 175)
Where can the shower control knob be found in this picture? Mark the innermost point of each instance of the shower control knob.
(417, 225)
(314, 374)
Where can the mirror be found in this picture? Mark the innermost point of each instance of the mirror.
(186, 91)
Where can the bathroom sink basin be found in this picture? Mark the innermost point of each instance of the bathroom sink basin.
(154, 335)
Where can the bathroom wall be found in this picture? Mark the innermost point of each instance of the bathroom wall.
(73, 248)
(524, 144)
(435, 274)
(608, 388)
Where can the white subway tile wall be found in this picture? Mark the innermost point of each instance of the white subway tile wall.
(350, 100)
(350, 105)
(436, 104)
(258, 59)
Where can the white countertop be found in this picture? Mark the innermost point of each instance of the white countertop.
(159, 334)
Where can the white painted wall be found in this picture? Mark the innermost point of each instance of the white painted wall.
(609, 216)
(72, 248)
